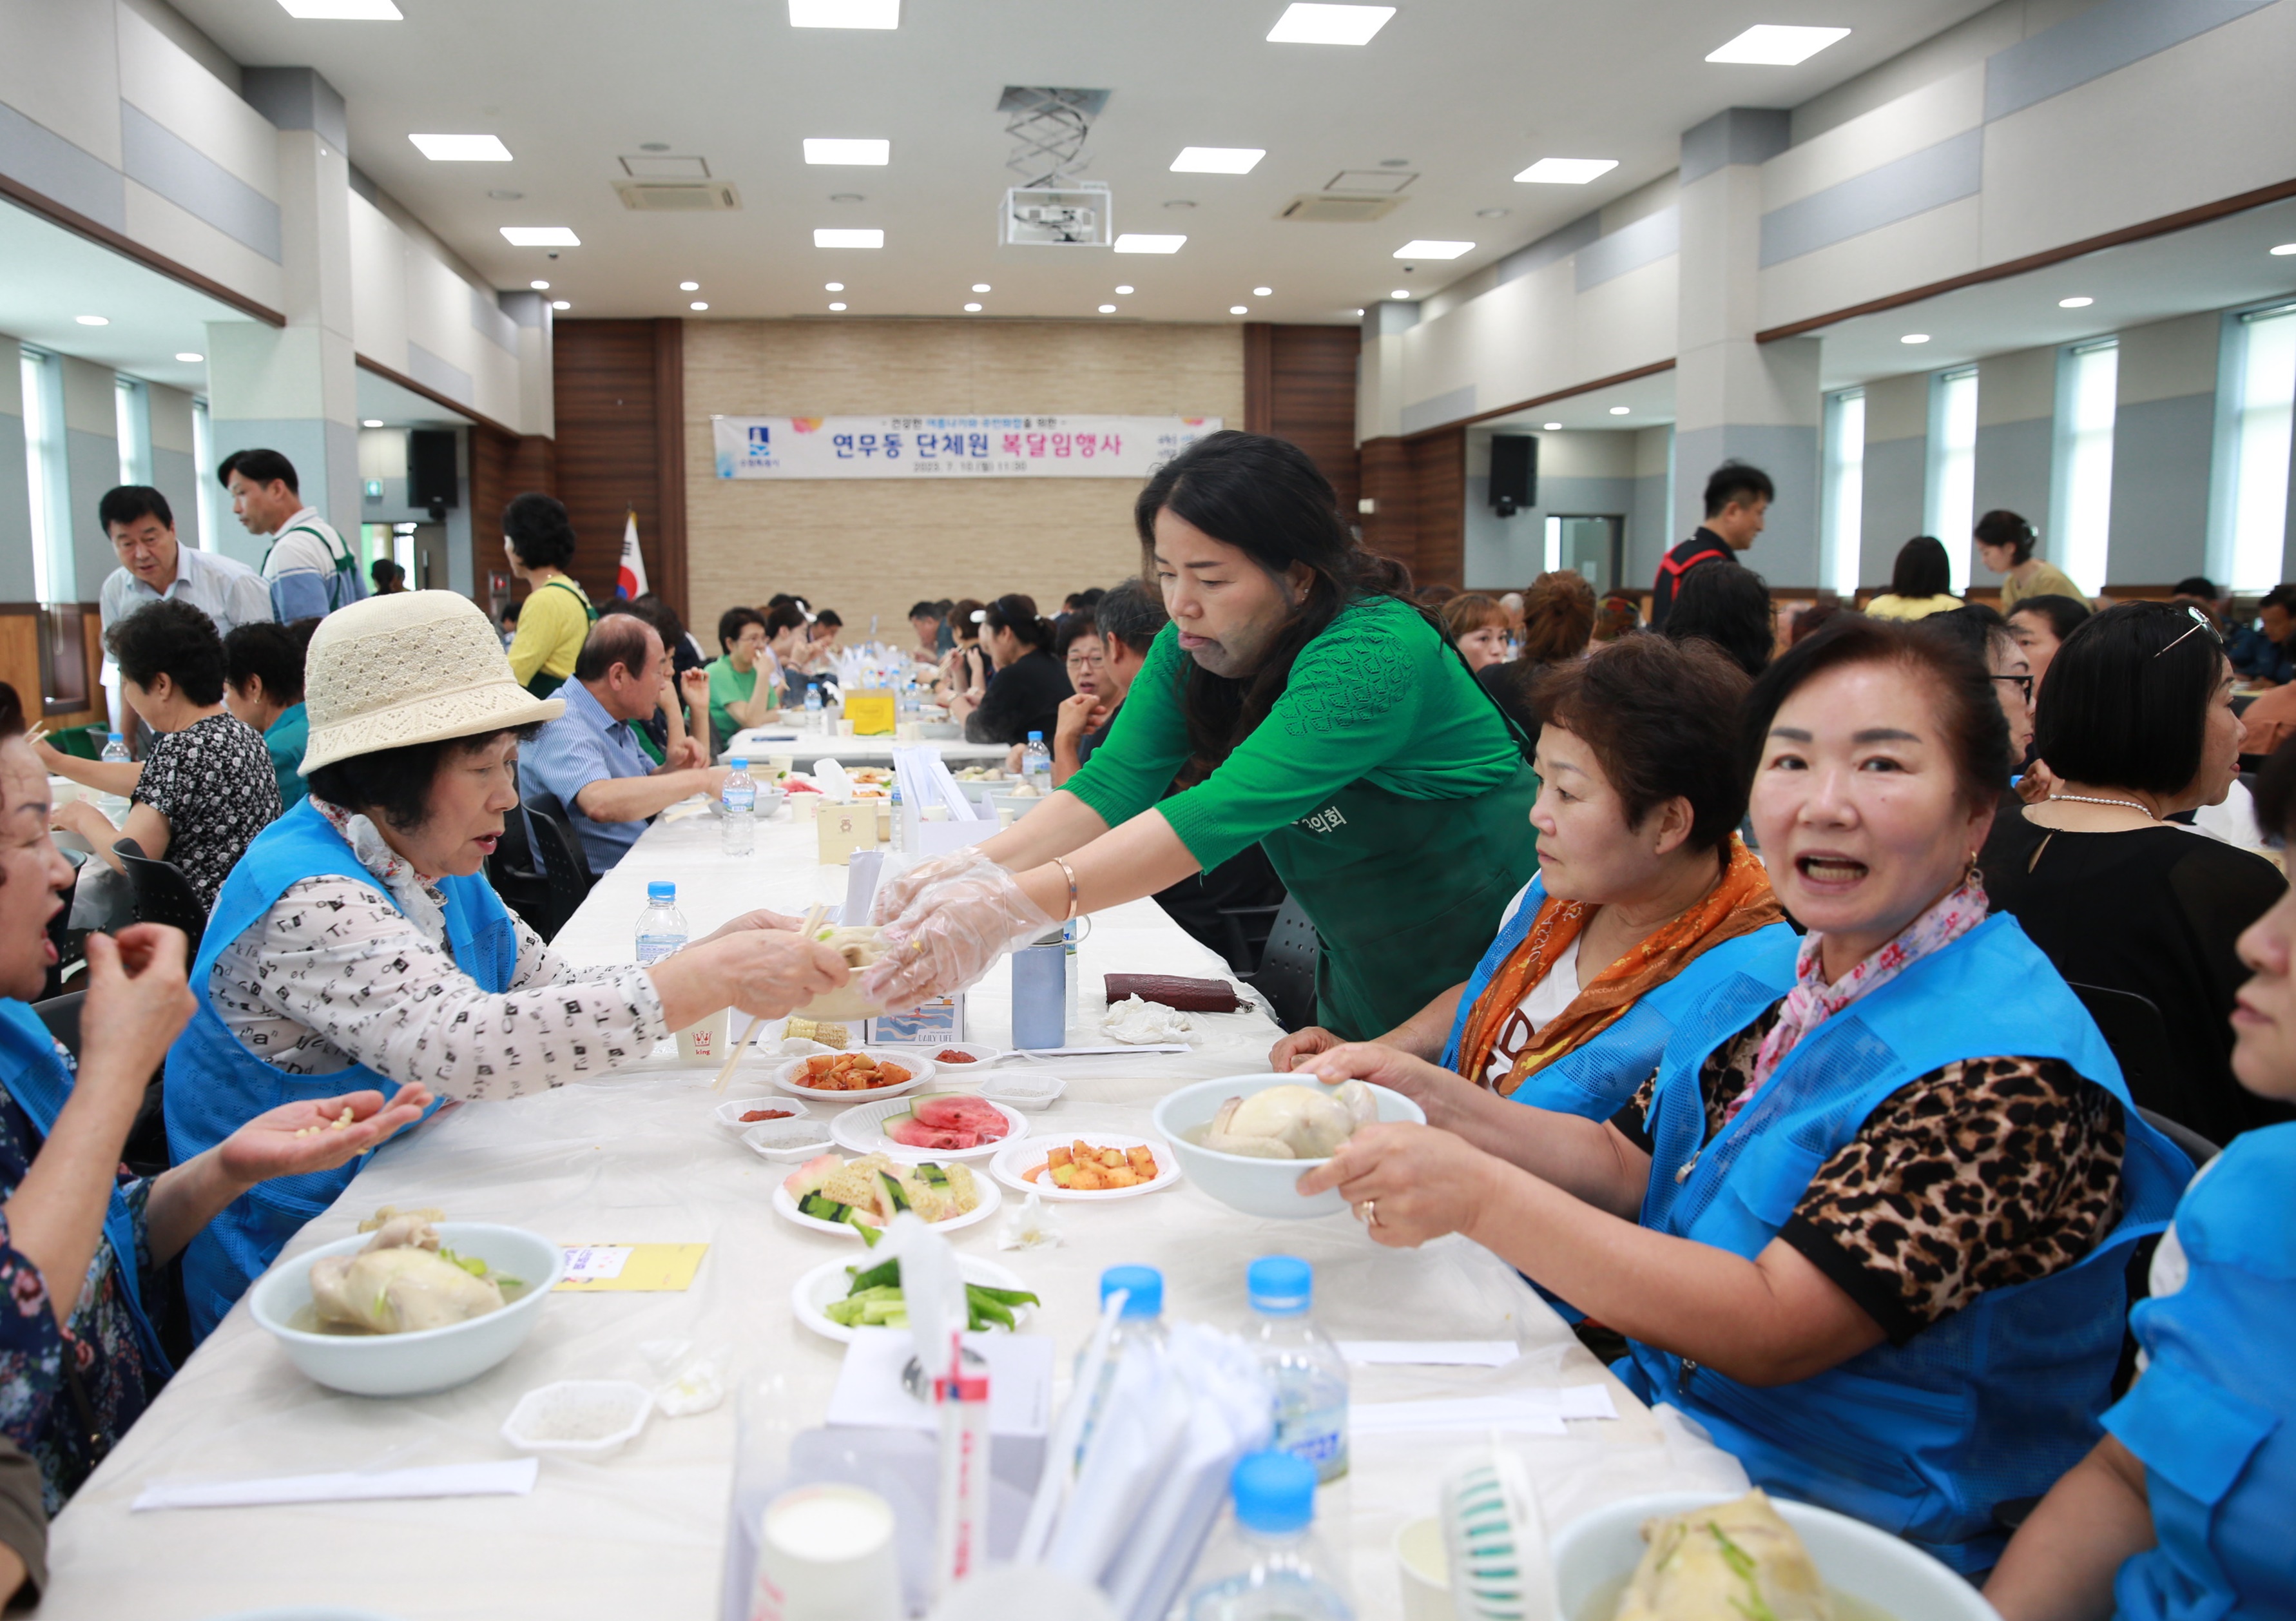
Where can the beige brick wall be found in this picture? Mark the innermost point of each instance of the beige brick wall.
(874, 546)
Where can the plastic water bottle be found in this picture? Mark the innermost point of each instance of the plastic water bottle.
(1037, 764)
(1142, 1325)
(738, 799)
(1304, 1369)
(812, 708)
(661, 926)
(900, 838)
(1266, 1564)
(115, 805)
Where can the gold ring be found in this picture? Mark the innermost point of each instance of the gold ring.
(1368, 1213)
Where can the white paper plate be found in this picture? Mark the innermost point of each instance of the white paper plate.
(991, 1197)
(828, 1284)
(921, 1070)
(1014, 1159)
(729, 1115)
(861, 1128)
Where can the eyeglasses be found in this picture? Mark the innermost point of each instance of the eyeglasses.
(1087, 661)
(2024, 684)
(2201, 622)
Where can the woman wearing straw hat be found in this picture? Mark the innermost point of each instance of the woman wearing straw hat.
(358, 942)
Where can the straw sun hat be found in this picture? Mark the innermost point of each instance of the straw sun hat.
(412, 667)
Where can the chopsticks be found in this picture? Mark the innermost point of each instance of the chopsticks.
(38, 734)
(812, 922)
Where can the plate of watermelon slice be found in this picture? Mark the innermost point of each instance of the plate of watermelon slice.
(930, 1125)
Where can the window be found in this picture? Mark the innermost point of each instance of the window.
(1949, 503)
(2081, 498)
(1841, 503)
(53, 577)
(132, 412)
(2266, 380)
(203, 461)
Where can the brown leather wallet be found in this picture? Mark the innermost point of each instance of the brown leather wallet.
(1174, 990)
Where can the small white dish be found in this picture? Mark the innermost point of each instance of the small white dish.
(1022, 1090)
(588, 1419)
(991, 1197)
(862, 1130)
(1016, 1160)
(980, 1053)
(921, 1070)
(729, 1115)
(787, 1142)
(830, 1282)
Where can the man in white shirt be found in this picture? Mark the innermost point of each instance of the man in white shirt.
(311, 572)
(153, 566)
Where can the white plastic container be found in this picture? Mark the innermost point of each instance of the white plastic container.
(729, 1115)
(1018, 1090)
(787, 1142)
(587, 1418)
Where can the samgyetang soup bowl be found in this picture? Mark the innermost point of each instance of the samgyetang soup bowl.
(1256, 1187)
(418, 1363)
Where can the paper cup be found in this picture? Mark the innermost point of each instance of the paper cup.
(778, 763)
(844, 728)
(825, 1553)
(705, 1042)
(1425, 1569)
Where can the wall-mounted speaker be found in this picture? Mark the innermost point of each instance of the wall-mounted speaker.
(430, 479)
(1515, 473)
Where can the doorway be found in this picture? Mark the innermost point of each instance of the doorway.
(1594, 544)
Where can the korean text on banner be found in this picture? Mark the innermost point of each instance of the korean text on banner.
(952, 447)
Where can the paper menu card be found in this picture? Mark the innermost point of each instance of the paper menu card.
(648, 1268)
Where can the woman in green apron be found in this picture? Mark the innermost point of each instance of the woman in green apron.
(538, 540)
(1317, 713)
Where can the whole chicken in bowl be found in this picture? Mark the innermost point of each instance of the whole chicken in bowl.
(1246, 1141)
(1290, 1122)
(401, 1283)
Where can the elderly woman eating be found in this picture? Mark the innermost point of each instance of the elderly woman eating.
(359, 940)
(83, 1252)
(1872, 1239)
(1645, 902)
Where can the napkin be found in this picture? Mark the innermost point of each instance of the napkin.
(1538, 1412)
(512, 1479)
(1137, 1023)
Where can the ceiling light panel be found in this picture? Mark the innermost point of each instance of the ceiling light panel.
(826, 149)
(1346, 25)
(93, 320)
(342, 11)
(370, 422)
(845, 14)
(2075, 303)
(1134, 242)
(462, 148)
(1422, 249)
(188, 358)
(849, 239)
(1777, 45)
(1566, 172)
(540, 236)
(1402, 294)
(1217, 159)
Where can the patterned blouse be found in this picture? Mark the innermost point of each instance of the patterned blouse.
(68, 1391)
(1986, 1172)
(213, 782)
(335, 974)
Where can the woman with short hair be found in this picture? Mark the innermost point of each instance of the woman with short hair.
(1980, 631)
(1478, 628)
(737, 674)
(2004, 544)
(359, 942)
(538, 540)
(1026, 693)
(1729, 608)
(262, 686)
(1921, 583)
(2040, 625)
(1872, 1238)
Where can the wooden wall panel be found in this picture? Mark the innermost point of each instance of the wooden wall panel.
(1438, 479)
(1391, 526)
(1300, 384)
(21, 627)
(503, 466)
(618, 411)
(874, 547)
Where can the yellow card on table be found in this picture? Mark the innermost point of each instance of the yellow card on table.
(595, 1267)
(871, 710)
(843, 829)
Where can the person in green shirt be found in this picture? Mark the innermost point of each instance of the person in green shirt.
(1335, 725)
(735, 700)
(263, 687)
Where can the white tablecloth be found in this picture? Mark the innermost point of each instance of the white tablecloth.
(636, 1159)
(804, 748)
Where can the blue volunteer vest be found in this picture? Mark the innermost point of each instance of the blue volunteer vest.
(215, 1085)
(2213, 1417)
(1995, 1401)
(37, 1073)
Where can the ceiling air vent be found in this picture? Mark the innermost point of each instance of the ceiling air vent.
(678, 197)
(1313, 207)
(1379, 182)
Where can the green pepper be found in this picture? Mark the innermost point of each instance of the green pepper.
(883, 1272)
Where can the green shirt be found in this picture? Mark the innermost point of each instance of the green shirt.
(1377, 697)
(727, 684)
(284, 740)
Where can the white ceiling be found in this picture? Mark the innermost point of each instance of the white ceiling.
(53, 276)
(1467, 91)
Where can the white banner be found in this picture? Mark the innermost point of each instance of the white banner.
(952, 447)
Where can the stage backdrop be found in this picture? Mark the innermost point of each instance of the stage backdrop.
(1000, 446)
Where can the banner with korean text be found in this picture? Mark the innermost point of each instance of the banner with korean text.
(952, 447)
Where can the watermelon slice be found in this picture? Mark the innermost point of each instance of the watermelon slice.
(943, 1124)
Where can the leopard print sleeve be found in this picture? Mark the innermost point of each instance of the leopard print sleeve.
(1986, 1173)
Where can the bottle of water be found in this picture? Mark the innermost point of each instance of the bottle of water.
(661, 926)
(1305, 1369)
(1142, 1326)
(812, 708)
(1266, 1564)
(1037, 764)
(115, 805)
(738, 799)
(900, 838)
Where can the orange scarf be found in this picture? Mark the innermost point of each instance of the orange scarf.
(1741, 903)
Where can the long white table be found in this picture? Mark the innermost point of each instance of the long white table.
(636, 1159)
(803, 748)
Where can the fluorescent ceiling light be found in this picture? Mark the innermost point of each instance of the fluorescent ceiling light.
(1403, 293)
(1263, 292)
(2283, 250)
(1420, 248)
(462, 148)
(1133, 242)
(342, 11)
(972, 309)
(540, 236)
(1552, 427)
(689, 286)
(188, 358)
(833, 286)
(826, 149)
(560, 304)
(697, 304)
(1239, 310)
(849, 239)
(93, 320)
(1305, 24)
(2075, 303)
(1127, 287)
(371, 422)
(539, 287)
(1217, 159)
(1914, 337)
(981, 286)
(1777, 45)
(1108, 309)
(1566, 172)
(845, 14)
(1621, 410)
(834, 307)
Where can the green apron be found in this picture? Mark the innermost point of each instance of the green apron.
(542, 686)
(346, 586)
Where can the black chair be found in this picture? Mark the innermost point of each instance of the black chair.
(162, 893)
(146, 1150)
(1287, 969)
(2133, 1027)
(520, 879)
(2197, 1148)
(559, 854)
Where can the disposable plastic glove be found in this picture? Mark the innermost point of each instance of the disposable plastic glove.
(895, 892)
(950, 933)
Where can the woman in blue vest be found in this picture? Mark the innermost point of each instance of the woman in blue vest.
(82, 1251)
(359, 940)
(1873, 1239)
(2187, 1507)
(1646, 903)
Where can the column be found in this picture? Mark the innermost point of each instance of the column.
(1734, 397)
(295, 389)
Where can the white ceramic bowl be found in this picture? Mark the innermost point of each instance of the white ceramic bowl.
(862, 1130)
(1597, 1551)
(921, 1070)
(1256, 1187)
(412, 1364)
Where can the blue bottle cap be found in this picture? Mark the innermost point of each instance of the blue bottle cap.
(1274, 1492)
(739, 762)
(115, 737)
(1035, 737)
(661, 889)
(1146, 1287)
(1281, 1286)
